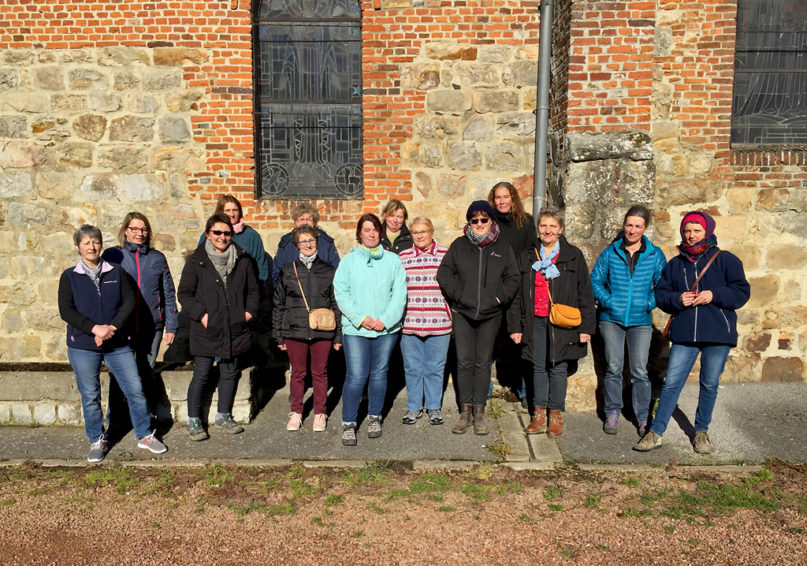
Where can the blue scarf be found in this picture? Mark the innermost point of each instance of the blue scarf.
(545, 265)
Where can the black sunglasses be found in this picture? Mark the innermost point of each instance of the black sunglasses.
(478, 220)
(226, 233)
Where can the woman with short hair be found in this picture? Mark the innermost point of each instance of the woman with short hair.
(304, 214)
(303, 285)
(219, 292)
(96, 300)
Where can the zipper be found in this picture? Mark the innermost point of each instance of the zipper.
(728, 326)
(479, 285)
(137, 307)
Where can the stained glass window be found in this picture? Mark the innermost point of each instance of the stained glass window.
(770, 73)
(308, 99)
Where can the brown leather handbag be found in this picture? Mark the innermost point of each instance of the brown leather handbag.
(318, 319)
(563, 316)
(666, 330)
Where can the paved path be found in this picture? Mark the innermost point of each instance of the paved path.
(751, 422)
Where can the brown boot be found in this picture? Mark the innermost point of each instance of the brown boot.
(464, 421)
(480, 427)
(555, 424)
(538, 423)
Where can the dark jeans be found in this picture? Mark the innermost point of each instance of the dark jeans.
(302, 355)
(229, 373)
(549, 379)
(474, 340)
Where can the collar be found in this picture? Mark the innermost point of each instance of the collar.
(130, 247)
(429, 251)
(105, 268)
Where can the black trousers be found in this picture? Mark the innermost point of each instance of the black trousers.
(229, 373)
(474, 341)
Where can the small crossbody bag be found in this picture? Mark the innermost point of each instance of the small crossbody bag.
(318, 319)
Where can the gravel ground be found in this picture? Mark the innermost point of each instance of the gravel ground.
(384, 514)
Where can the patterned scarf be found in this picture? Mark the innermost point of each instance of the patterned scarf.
(93, 274)
(482, 240)
(693, 252)
(307, 261)
(545, 265)
(223, 262)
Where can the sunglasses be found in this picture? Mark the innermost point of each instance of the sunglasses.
(225, 233)
(479, 220)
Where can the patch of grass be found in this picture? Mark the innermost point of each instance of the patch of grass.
(357, 534)
(280, 509)
(592, 501)
(500, 449)
(602, 548)
(638, 513)
(295, 471)
(396, 493)
(552, 492)
(555, 507)
(764, 475)
(378, 510)
(9, 501)
(161, 482)
(436, 498)
(723, 499)
(693, 542)
(332, 500)
(797, 530)
(428, 483)
(371, 473)
(567, 552)
(495, 409)
(479, 492)
(670, 528)
(525, 518)
(648, 498)
(217, 475)
(300, 488)
(122, 478)
(445, 508)
(317, 521)
(630, 481)
(242, 510)
(481, 472)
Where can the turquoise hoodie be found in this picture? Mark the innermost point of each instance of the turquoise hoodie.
(370, 285)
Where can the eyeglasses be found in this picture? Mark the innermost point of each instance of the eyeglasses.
(138, 230)
(312, 241)
(421, 233)
(479, 220)
(225, 233)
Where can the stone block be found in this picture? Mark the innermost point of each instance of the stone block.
(49, 78)
(143, 188)
(671, 164)
(9, 79)
(75, 154)
(87, 79)
(127, 79)
(506, 157)
(410, 154)
(786, 256)
(781, 369)
(494, 53)
(431, 155)
(182, 101)
(122, 56)
(464, 156)
(33, 102)
(22, 214)
(633, 145)
(104, 102)
(139, 103)
(662, 41)
(68, 103)
(665, 129)
(479, 128)
(740, 200)
(123, 158)
(452, 186)
(732, 229)
(699, 162)
(782, 200)
(56, 184)
(90, 127)
(69, 414)
(21, 154)
(131, 129)
(15, 184)
(5, 413)
(18, 57)
(100, 186)
(436, 127)
(521, 74)
(21, 413)
(13, 127)
(162, 78)
(486, 75)
(763, 290)
(783, 317)
(179, 56)
(581, 392)
(686, 192)
(174, 129)
(448, 101)
(529, 99)
(758, 342)
(445, 51)
(496, 101)
(428, 79)
(519, 125)
(749, 254)
(84, 56)
(45, 414)
(423, 183)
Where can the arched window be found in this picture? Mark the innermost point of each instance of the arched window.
(308, 98)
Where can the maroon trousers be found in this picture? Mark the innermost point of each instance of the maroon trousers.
(302, 355)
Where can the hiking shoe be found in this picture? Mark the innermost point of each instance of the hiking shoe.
(411, 417)
(702, 444)
(611, 424)
(649, 441)
(349, 434)
(196, 430)
(98, 450)
(227, 423)
(373, 426)
(295, 420)
(320, 422)
(643, 428)
(152, 444)
(435, 417)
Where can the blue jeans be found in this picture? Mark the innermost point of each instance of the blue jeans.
(548, 379)
(86, 365)
(638, 340)
(424, 359)
(147, 345)
(682, 358)
(367, 359)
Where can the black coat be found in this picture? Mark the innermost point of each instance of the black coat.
(201, 292)
(290, 317)
(478, 282)
(520, 238)
(402, 242)
(572, 287)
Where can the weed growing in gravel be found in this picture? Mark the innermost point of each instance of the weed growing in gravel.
(122, 478)
(495, 409)
(479, 492)
(332, 500)
(592, 501)
(603, 548)
(162, 482)
(286, 508)
(510, 487)
(374, 472)
(428, 483)
(9, 501)
(552, 492)
(218, 474)
(797, 530)
(379, 510)
(524, 517)
(567, 552)
(630, 481)
(242, 510)
(763, 475)
(555, 507)
(357, 534)
(300, 488)
(670, 528)
(500, 449)
(445, 509)
(631, 512)
(436, 498)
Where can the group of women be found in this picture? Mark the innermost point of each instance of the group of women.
(398, 286)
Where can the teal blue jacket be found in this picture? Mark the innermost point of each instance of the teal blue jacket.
(370, 286)
(625, 299)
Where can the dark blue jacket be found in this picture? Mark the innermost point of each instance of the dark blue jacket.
(149, 269)
(82, 306)
(624, 298)
(715, 322)
(287, 252)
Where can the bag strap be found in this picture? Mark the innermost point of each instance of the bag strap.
(702, 273)
(307, 308)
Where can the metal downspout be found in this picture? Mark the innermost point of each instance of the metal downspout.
(542, 109)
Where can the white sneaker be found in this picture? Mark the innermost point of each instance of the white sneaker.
(295, 420)
(320, 422)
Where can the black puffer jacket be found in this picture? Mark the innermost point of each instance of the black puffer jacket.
(402, 242)
(478, 282)
(290, 317)
(572, 287)
(201, 291)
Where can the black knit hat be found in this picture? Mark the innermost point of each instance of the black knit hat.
(479, 206)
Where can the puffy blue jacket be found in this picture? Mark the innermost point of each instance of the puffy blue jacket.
(625, 299)
(287, 252)
(149, 269)
(715, 322)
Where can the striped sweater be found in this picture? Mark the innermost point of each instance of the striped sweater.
(427, 312)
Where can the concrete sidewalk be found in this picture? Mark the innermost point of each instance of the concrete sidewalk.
(751, 422)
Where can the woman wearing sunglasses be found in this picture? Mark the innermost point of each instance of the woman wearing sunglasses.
(218, 291)
(479, 277)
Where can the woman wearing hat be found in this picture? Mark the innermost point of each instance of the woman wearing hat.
(479, 277)
(701, 288)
